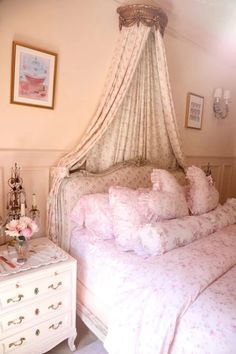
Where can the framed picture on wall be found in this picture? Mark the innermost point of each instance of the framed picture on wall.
(194, 111)
(33, 76)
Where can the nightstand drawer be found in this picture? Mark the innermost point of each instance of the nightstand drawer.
(21, 343)
(38, 306)
(50, 307)
(21, 291)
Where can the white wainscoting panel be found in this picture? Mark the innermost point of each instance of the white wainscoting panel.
(223, 172)
(2, 197)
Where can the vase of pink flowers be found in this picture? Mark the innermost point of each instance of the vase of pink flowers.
(21, 230)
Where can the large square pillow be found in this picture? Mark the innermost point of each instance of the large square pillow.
(93, 212)
(202, 195)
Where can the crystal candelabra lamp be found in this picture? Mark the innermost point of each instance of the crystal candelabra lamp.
(16, 198)
(16, 202)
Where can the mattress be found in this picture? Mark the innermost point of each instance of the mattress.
(92, 303)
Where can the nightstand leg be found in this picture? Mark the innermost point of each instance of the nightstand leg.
(71, 342)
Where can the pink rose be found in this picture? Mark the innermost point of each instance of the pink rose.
(27, 232)
(21, 225)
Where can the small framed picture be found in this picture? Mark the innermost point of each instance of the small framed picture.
(33, 76)
(194, 110)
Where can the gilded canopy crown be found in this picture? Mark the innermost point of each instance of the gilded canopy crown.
(150, 16)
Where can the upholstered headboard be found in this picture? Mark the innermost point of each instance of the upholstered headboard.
(126, 174)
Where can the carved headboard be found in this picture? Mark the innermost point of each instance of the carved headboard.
(80, 183)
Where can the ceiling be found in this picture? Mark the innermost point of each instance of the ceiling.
(210, 24)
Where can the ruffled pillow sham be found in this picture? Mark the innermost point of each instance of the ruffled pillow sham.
(163, 180)
(131, 209)
(161, 205)
(202, 195)
(93, 212)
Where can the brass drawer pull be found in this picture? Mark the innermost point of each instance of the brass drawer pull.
(55, 307)
(56, 326)
(54, 287)
(36, 311)
(16, 321)
(36, 291)
(18, 343)
(19, 297)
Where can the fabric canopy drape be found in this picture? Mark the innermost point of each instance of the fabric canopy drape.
(125, 60)
(124, 63)
(135, 117)
(144, 126)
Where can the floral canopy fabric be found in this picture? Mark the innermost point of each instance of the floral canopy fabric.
(135, 118)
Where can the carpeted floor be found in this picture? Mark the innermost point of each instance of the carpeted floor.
(86, 343)
(92, 348)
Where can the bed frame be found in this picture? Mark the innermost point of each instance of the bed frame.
(131, 174)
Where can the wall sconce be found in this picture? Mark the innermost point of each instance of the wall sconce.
(221, 103)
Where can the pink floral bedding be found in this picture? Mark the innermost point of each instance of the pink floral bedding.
(169, 296)
(181, 302)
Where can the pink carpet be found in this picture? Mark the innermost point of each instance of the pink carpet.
(92, 348)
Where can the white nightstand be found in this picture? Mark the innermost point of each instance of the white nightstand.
(38, 307)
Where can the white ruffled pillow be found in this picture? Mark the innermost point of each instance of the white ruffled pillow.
(202, 195)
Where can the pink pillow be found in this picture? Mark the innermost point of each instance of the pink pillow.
(202, 195)
(163, 180)
(161, 205)
(167, 200)
(93, 212)
(131, 209)
(128, 216)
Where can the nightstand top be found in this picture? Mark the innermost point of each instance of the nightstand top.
(42, 252)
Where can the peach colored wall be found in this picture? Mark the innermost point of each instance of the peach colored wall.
(84, 34)
(194, 70)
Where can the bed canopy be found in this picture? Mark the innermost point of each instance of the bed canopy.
(135, 118)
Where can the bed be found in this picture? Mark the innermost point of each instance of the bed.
(183, 301)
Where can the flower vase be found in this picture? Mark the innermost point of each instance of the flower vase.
(22, 249)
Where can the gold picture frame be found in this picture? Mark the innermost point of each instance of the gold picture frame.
(194, 111)
(33, 76)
